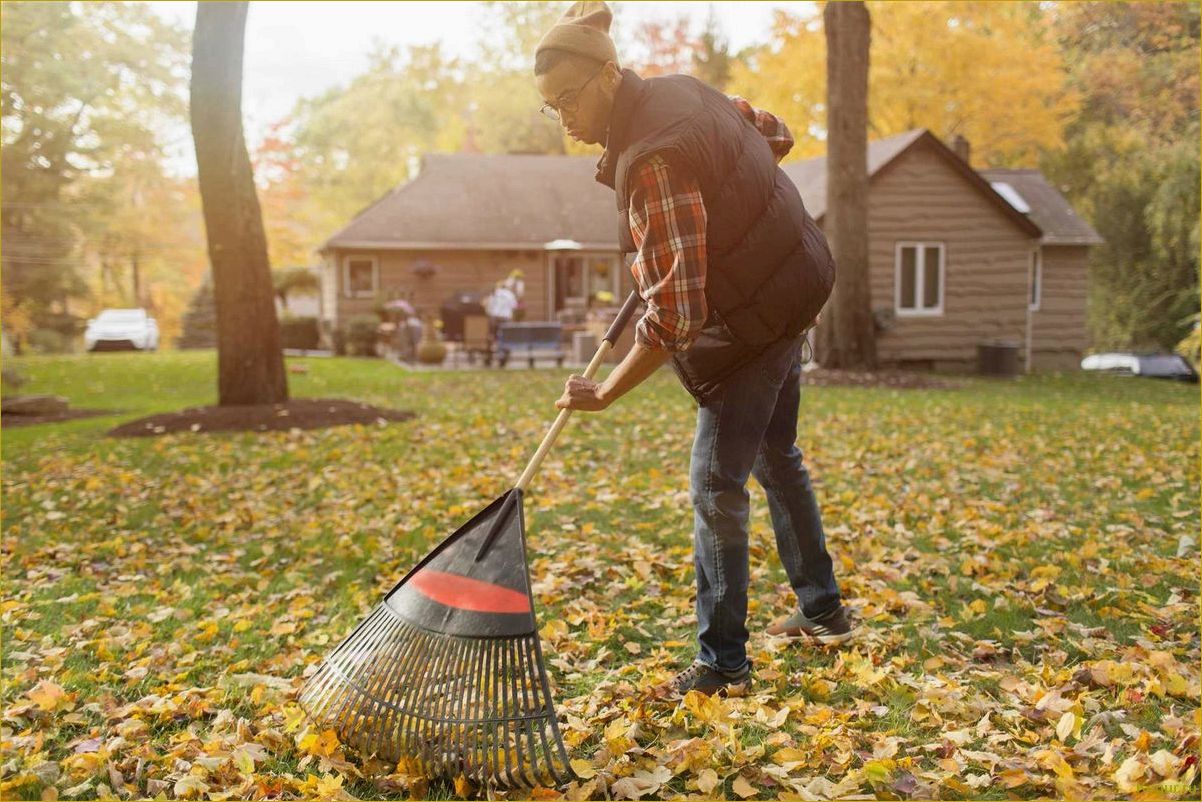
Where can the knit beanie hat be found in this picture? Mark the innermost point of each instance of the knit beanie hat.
(583, 29)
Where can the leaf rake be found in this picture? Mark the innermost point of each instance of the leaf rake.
(445, 677)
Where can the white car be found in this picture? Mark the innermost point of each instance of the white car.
(122, 329)
(1158, 366)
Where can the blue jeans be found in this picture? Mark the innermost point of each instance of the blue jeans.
(748, 426)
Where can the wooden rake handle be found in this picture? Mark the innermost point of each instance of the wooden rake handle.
(607, 344)
(511, 500)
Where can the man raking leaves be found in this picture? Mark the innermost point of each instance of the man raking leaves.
(733, 271)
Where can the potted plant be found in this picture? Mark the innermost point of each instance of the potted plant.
(432, 350)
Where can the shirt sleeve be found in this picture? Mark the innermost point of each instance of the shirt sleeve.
(772, 127)
(667, 223)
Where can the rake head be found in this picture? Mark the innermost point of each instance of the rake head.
(447, 672)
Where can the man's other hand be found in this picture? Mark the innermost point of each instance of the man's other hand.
(582, 394)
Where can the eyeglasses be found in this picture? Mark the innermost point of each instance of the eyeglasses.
(568, 101)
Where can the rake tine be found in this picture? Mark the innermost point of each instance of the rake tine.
(352, 691)
(379, 692)
(361, 714)
(444, 726)
(505, 712)
(411, 692)
(540, 723)
(470, 711)
(402, 686)
(429, 704)
(561, 770)
(518, 685)
(525, 724)
(396, 681)
(491, 766)
(459, 712)
(417, 710)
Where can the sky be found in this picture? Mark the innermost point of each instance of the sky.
(300, 49)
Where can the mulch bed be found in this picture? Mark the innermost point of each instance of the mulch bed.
(896, 379)
(301, 413)
(10, 420)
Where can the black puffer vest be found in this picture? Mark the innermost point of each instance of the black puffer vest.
(769, 268)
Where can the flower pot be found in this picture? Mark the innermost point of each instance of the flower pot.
(431, 352)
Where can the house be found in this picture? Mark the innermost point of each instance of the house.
(465, 222)
(957, 256)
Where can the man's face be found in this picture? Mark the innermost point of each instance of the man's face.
(583, 93)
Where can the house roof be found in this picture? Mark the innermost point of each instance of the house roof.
(1049, 209)
(810, 175)
(523, 201)
(475, 200)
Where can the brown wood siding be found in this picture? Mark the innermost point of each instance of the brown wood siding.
(1060, 334)
(456, 271)
(921, 198)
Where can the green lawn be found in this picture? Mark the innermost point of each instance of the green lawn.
(1010, 548)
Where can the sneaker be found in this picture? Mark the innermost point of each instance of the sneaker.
(830, 630)
(706, 680)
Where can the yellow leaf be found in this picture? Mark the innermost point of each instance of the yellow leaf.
(1132, 769)
(632, 647)
(1013, 778)
(788, 756)
(584, 770)
(743, 788)
(708, 709)
(48, 696)
(878, 771)
(617, 738)
(330, 787)
(244, 762)
(707, 781)
(1064, 728)
(1051, 759)
(190, 785)
(322, 745)
(463, 786)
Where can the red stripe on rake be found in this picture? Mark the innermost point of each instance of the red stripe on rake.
(464, 593)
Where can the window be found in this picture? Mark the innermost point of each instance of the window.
(918, 288)
(1036, 281)
(360, 276)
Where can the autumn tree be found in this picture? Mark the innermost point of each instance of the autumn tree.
(846, 338)
(85, 89)
(965, 68)
(250, 363)
(1130, 163)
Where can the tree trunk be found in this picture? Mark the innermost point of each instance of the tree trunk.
(846, 337)
(250, 363)
(135, 278)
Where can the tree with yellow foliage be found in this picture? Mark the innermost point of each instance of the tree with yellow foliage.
(991, 72)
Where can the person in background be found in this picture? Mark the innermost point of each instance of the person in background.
(500, 307)
(516, 284)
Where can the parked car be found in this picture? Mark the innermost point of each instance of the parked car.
(118, 329)
(1157, 366)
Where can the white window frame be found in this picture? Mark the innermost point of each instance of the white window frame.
(919, 277)
(346, 276)
(1035, 276)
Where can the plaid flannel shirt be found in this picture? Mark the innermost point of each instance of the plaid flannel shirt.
(667, 222)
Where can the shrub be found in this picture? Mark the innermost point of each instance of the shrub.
(360, 335)
(299, 332)
(49, 341)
